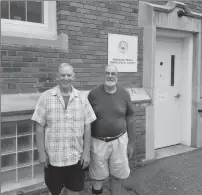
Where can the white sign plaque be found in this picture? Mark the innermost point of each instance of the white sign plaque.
(122, 52)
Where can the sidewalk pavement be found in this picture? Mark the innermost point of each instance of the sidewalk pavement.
(176, 175)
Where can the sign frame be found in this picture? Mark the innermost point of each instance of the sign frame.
(123, 52)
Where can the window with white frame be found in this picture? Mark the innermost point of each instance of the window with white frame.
(33, 19)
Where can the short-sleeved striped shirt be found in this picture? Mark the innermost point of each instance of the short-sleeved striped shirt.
(64, 128)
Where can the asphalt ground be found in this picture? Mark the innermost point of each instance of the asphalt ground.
(176, 175)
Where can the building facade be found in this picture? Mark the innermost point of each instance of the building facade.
(37, 37)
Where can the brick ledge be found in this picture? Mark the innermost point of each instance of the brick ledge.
(14, 104)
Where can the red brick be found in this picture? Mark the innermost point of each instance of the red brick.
(78, 15)
(6, 64)
(29, 80)
(37, 64)
(76, 61)
(83, 74)
(127, 4)
(100, 78)
(81, 47)
(29, 90)
(10, 80)
(102, 9)
(111, 6)
(71, 8)
(112, 11)
(10, 47)
(6, 75)
(17, 64)
(25, 85)
(47, 70)
(24, 53)
(45, 60)
(42, 49)
(43, 79)
(76, 4)
(74, 28)
(93, 83)
(62, 3)
(90, 7)
(49, 84)
(37, 75)
(29, 59)
(77, 84)
(20, 75)
(11, 58)
(30, 69)
(90, 16)
(46, 54)
(53, 65)
(96, 12)
(11, 69)
(75, 42)
(94, 74)
(66, 55)
(77, 33)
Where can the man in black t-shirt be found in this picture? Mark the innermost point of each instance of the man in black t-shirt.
(113, 133)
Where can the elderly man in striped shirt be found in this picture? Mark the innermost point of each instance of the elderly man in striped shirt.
(63, 133)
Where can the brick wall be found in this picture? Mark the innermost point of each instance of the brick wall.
(27, 69)
(87, 23)
(139, 154)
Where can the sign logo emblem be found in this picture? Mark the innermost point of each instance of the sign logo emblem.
(123, 46)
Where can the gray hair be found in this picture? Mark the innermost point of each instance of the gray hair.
(65, 65)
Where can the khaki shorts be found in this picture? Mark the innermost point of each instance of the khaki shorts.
(109, 158)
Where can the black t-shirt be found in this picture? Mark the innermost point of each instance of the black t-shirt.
(111, 111)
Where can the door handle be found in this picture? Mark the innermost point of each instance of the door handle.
(177, 96)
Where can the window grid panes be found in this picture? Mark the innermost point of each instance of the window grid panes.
(27, 11)
(19, 158)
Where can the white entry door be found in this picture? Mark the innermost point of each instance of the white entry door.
(167, 93)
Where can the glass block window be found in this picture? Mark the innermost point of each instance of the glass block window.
(19, 157)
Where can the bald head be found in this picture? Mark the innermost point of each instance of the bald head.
(111, 68)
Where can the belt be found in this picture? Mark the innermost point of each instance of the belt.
(108, 139)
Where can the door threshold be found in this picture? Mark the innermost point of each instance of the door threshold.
(172, 150)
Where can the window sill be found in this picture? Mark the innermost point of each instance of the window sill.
(26, 102)
(36, 185)
(15, 28)
(60, 42)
